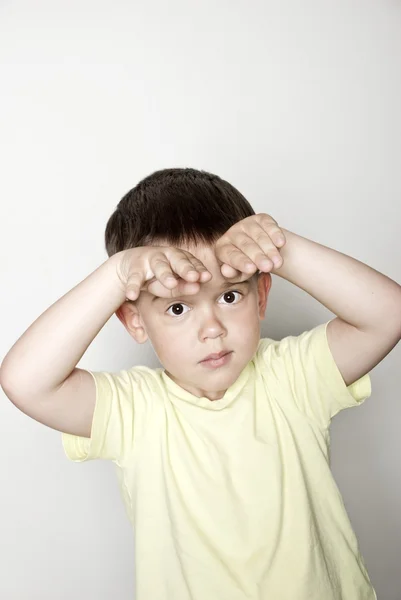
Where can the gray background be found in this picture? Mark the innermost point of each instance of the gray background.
(295, 103)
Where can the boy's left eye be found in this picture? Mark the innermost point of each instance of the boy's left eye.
(175, 314)
(229, 295)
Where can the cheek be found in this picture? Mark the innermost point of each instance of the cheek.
(247, 312)
(170, 339)
(245, 326)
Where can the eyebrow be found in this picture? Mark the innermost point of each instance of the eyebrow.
(223, 287)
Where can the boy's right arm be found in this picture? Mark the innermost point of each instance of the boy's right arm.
(39, 373)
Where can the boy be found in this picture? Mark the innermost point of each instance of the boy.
(222, 456)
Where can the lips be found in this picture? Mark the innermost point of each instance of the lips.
(216, 356)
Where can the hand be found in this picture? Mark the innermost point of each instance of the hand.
(163, 271)
(249, 245)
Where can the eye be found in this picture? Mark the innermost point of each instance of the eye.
(175, 307)
(230, 295)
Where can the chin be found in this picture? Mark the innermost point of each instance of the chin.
(219, 379)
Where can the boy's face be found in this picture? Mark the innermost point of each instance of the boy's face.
(222, 316)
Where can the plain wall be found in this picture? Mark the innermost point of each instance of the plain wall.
(297, 104)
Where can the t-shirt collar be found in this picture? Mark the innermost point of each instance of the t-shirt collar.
(202, 402)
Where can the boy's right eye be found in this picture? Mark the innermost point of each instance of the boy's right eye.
(175, 306)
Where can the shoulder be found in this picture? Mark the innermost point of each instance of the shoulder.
(290, 347)
(135, 384)
(142, 377)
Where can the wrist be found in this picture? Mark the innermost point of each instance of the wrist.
(115, 265)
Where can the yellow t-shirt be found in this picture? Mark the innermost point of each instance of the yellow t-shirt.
(234, 499)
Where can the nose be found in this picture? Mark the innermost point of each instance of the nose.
(211, 327)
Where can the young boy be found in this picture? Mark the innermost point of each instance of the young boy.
(222, 456)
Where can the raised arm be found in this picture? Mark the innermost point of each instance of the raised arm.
(366, 302)
(39, 373)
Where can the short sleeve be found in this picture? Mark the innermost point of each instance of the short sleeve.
(114, 420)
(315, 382)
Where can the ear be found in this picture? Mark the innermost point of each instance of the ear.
(130, 317)
(264, 286)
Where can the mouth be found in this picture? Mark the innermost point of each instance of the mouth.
(215, 356)
(217, 360)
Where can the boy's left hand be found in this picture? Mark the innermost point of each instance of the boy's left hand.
(249, 245)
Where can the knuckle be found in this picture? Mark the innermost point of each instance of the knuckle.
(159, 263)
(185, 266)
(233, 252)
(183, 254)
(265, 218)
(222, 241)
(249, 244)
(134, 276)
(261, 237)
(275, 253)
(164, 274)
(242, 238)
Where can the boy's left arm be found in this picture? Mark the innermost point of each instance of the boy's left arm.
(366, 302)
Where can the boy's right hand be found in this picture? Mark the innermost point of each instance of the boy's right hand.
(163, 271)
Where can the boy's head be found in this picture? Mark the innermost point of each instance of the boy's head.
(191, 209)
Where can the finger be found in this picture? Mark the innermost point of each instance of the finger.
(253, 251)
(187, 266)
(237, 277)
(270, 226)
(134, 285)
(258, 246)
(228, 271)
(162, 270)
(265, 246)
(168, 267)
(205, 275)
(235, 257)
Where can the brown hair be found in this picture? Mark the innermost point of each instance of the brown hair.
(177, 206)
